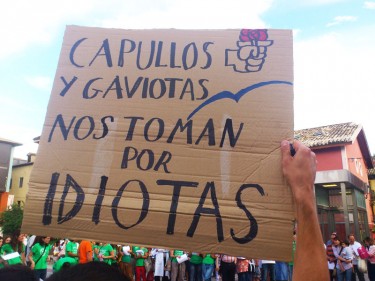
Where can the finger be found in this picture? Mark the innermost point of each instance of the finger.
(297, 144)
(285, 149)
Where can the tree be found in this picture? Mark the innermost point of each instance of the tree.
(11, 219)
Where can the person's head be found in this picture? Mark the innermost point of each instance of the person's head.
(345, 243)
(17, 272)
(1, 241)
(17, 240)
(46, 240)
(336, 241)
(91, 271)
(368, 241)
(351, 238)
(42, 240)
(66, 265)
(333, 235)
(7, 239)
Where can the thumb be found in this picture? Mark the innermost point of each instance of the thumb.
(285, 149)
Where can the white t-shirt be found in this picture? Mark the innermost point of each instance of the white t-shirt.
(354, 248)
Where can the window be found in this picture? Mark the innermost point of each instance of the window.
(21, 182)
(322, 197)
(10, 184)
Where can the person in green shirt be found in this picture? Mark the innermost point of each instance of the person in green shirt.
(178, 269)
(2, 242)
(71, 250)
(13, 247)
(105, 253)
(95, 250)
(125, 264)
(208, 266)
(195, 269)
(140, 254)
(39, 254)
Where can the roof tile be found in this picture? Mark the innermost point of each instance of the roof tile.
(328, 135)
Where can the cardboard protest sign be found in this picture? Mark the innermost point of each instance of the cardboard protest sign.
(168, 138)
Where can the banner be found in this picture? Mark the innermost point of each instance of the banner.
(168, 138)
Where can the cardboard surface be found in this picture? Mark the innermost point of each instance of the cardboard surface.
(168, 138)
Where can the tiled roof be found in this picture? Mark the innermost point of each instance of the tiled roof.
(328, 135)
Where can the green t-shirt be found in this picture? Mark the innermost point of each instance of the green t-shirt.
(177, 253)
(106, 251)
(140, 261)
(135, 249)
(7, 249)
(60, 262)
(95, 256)
(196, 258)
(73, 248)
(38, 250)
(208, 259)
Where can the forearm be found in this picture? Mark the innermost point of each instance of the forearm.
(32, 263)
(111, 255)
(310, 243)
(23, 258)
(70, 254)
(299, 170)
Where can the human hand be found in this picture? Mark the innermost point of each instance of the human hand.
(299, 170)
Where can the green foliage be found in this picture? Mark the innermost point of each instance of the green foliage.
(11, 219)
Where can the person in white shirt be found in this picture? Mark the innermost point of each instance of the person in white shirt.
(354, 246)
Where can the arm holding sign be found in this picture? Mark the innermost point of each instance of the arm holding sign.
(299, 171)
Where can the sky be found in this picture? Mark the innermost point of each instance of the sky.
(334, 52)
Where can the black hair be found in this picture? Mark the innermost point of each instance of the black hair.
(66, 265)
(17, 272)
(91, 271)
(346, 242)
(39, 239)
(16, 245)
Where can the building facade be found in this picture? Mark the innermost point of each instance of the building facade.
(371, 177)
(6, 160)
(20, 179)
(342, 188)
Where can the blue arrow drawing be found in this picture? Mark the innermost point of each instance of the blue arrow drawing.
(236, 97)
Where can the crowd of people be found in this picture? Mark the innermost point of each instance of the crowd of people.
(349, 259)
(137, 262)
(299, 169)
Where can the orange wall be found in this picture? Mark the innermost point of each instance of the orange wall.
(3, 201)
(329, 159)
